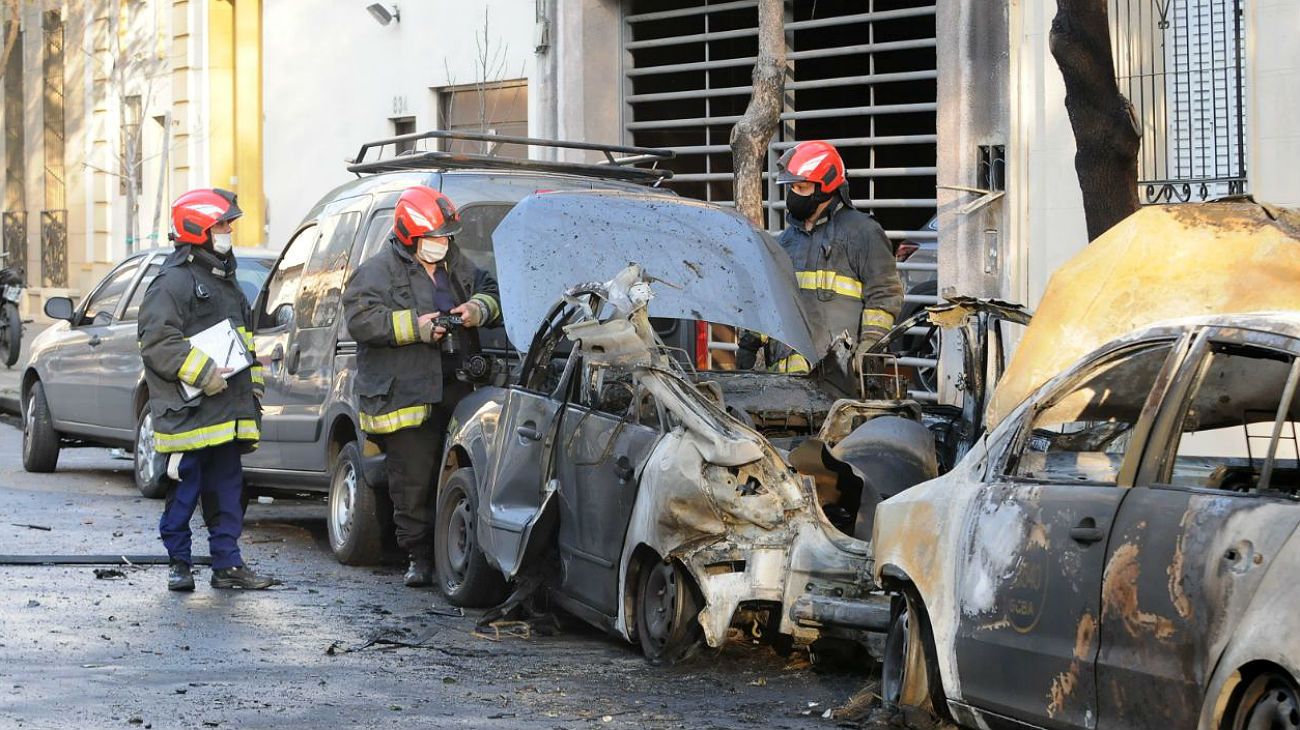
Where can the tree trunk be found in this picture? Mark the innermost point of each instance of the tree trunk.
(1105, 128)
(752, 134)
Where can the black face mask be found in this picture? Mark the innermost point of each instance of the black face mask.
(802, 207)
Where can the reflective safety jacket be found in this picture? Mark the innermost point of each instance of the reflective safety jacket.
(398, 376)
(194, 291)
(847, 273)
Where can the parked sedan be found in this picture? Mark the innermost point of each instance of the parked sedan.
(84, 382)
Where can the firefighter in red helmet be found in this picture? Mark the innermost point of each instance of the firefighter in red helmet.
(204, 434)
(842, 257)
(398, 306)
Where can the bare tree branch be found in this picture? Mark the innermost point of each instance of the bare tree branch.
(1106, 133)
(752, 134)
(13, 14)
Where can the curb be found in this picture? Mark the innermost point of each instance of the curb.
(10, 403)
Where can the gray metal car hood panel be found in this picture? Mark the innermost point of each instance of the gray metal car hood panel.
(713, 263)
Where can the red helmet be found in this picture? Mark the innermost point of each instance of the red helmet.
(197, 211)
(815, 162)
(423, 211)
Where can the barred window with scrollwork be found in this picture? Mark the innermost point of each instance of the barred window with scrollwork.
(1181, 64)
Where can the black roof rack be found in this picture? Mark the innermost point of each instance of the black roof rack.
(614, 168)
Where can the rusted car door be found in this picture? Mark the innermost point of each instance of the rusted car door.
(1194, 537)
(603, 443)
(1032, 570)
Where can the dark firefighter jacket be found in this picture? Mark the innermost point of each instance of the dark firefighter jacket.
(398, 376)
(847, 272)
(194, 291)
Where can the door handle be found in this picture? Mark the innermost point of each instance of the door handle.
(623, 469)
(295, 354)
(1087, 532)
(529, 431)
(94, 341)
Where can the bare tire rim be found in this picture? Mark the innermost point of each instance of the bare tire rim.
(146, 466)
(1276, 708)
(343, 495)
(460, 537)
(894, 672)
(660, 604)
(29, 423)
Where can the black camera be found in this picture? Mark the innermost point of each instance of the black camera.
(450, 323)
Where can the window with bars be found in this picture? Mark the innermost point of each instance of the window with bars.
(1180, 63)
(862, 75)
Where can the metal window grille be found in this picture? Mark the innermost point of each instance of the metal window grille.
(1180, 63)
(862, 75)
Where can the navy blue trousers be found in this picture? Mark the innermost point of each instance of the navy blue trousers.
(217, 472)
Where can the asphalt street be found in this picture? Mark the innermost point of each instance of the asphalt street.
(81, 651)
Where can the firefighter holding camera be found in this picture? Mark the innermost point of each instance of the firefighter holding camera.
(414, 309)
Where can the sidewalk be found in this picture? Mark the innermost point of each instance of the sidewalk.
(11, 378)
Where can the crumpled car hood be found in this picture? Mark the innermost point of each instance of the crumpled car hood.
(714, 264)
(1161, 263)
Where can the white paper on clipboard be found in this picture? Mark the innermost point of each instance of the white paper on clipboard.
(226, 348)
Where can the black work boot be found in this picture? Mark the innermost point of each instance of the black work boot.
(180, 577)
(241, 577)
(420, 573)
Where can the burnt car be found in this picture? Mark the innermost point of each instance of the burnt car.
(1121, 549)
(657, 503)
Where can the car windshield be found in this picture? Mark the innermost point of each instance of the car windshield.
(251, 274)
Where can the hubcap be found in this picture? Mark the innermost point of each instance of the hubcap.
(459, 538)
(897, 645)
(661, 602)
(342, 496)
(29, 423)
(145, 456)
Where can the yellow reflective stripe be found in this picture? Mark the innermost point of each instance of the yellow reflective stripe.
(394, 421)
(248, 336)
(830, 281)
(795, 363)
(243, 429)
(193, 366)
(258, 375)
(877, 318)
(404, 327)
(493, 307)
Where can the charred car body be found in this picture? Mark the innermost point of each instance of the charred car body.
(651, 501)
(1122, 549)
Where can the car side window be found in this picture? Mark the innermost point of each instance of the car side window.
(477, 222)
(1082, 434)
(1226, 437)
(322, 279)
(377, 233)
(102, 305)
(133, 304)
(282, 288)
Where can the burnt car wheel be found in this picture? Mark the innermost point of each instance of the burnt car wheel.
(150, 466)
(1269, 702)
(466, 577)
(667, 612)
(905, 675)
(355, 526)
(40, 440)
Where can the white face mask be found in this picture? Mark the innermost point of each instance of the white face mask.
(431, 250)
(221, 243)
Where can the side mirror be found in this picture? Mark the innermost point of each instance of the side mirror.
(59, 308)
(284, 315)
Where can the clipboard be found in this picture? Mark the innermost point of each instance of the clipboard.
(225, 347)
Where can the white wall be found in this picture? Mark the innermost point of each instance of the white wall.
(333, 78)
(1273, 87)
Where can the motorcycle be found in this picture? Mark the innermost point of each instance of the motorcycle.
(11, 324)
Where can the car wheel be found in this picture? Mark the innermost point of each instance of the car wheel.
(1269, 702)
(40, 440)
(355, 526)
(466, 577)
(667, 612)
(12, 344)
(905, 675)
(150, 466)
